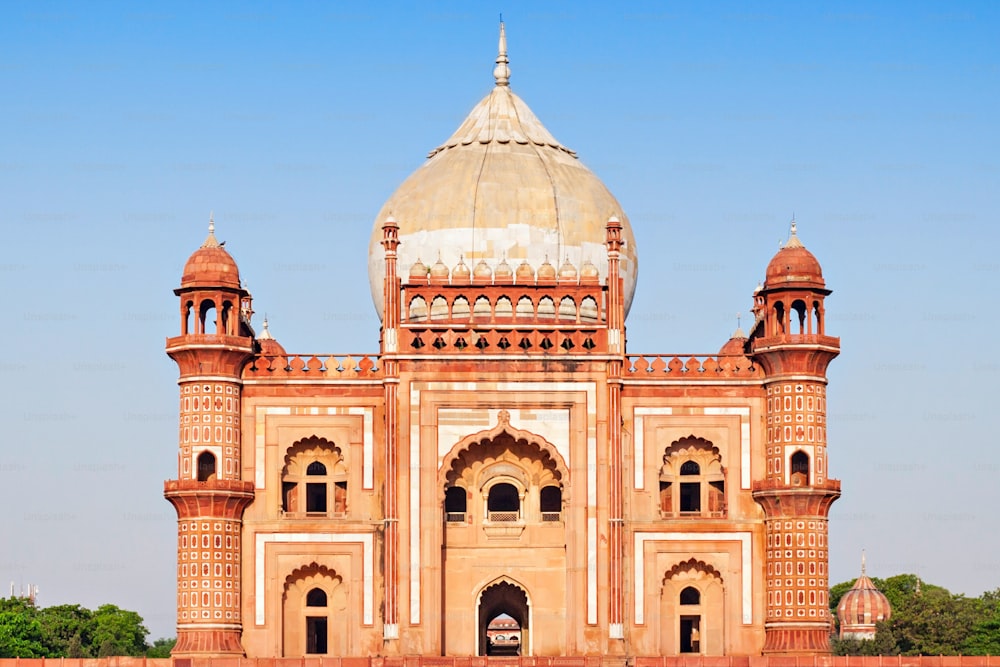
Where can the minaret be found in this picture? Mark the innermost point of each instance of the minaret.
(796, 494)
(208, 494)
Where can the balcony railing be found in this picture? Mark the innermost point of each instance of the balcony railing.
(697, 514)
(503, 517)
(454, 517)
(551, 516)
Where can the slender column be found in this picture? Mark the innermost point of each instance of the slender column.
(390, 338)
(616, 510)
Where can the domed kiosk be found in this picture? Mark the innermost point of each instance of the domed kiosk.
(502, 187)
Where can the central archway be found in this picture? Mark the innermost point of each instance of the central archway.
(499, 598)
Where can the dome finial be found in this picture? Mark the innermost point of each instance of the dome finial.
(211, 241)
(793, 237)
(502, 72)
(864, 566)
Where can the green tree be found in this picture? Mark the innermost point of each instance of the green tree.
(118, 632)
(61, 623)
(20, 631)
(161, 648)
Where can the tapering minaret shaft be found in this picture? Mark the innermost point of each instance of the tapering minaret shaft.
(208, 494)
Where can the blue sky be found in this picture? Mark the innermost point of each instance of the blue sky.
(123, 125)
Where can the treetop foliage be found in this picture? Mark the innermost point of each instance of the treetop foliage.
(73, 631)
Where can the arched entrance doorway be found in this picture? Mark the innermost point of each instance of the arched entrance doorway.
(504, 606)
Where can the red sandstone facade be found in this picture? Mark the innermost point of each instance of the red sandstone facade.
(502, 453)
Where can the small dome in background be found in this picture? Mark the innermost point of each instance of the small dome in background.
(862, 607)
(269, 347)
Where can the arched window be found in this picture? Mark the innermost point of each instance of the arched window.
(460, 308)
(692, 480)
(316, 625)
(314, 473)
(546, 308)
(206, 466)
(503, 503)
(482, 308)
(439, 308)
(455, 499)
(186, 321)
(690, 595)
(418, 309)
(504, 308)
(799, 468)
(525, 308)
(316, 598)
(550, 503)
(567, 309)
(588, 309)
(690, 491)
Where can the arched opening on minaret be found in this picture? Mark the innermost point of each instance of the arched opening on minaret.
(227, 319)
(206, 466)
(802, 313)
(779, 318)
(799, 468)
(504, 620)
(207, 323)
(818, 316)
(186, 318)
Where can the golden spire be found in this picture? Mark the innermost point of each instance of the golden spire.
(502, 72)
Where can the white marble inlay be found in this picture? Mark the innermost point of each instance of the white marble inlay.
(744, 413)
(639, 443)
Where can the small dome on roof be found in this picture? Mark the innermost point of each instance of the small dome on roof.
(503, 272)
(210, 265)
(589, 272)
(546, 271)
(525, 274)
(269, 347)
(439, 271)
(482, 271)
(418, 271)
(862, 607)
(461, 272)
(567, 271)
(794, 266)
(736, 343)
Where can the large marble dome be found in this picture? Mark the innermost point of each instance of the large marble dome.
(502, 188)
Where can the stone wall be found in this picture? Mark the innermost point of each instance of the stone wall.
(576, 661)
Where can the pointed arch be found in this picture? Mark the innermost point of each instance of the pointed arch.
(550, 456)
(503, 595)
